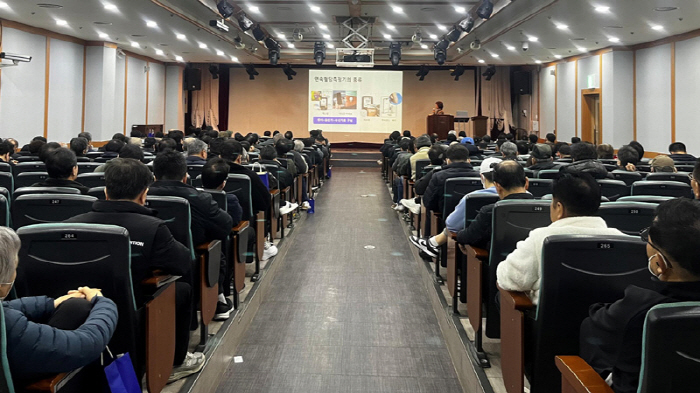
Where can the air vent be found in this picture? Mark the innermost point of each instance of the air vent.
(103, 23)
(612, 27)
(578, 39)
(138, 35)
(428, 9)
(665, 9)
(163, 44)
(284, 8)
(49, 6)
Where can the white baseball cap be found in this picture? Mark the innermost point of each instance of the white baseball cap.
(486, 164)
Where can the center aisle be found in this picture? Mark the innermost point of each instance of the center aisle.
(347, 312)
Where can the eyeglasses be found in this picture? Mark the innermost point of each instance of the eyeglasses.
(644, 234)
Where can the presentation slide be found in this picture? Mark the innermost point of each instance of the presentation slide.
(355, 101)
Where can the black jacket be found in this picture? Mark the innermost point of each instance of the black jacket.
(258, 192)
(611, 337)
(434, 196)
(683, 157)
(478, 233)
(593, 167)
(284, 178)
(51, 182)
(300, 162)
(540, 166)
(422, 183)
(195, 160)
(234, 209)
(153, 247)
(209, 222)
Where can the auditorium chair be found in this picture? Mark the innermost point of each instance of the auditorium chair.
(670, 351)
(577, 271)
(90, 180)
(475, 202)
(662, 188)
(613, 189)
(87, 167)
(627, 177)
(7, 182)
(240, 186)
(26, 179)
(102, 159)
(628, 217)
(564, 160)
(284, 194)
(24, 167)
(82, 159)
(97, 192)
(685, 167)
(5, 167)
(548, 174)
(98, 256)
(540, 187)
(609, 161)
(23, 159)
(31, 209)
(420, 165)
(529, 173)
(645, 198)
(5, 192)
(175, 211)
(682, 177)
(253, 157)
(45, 190)
(194, 171)
(4, 211)
(94, 154)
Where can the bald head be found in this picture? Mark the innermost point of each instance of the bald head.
(509, 175)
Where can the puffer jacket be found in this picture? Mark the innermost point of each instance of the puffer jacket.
(593, 167)
(402, 164)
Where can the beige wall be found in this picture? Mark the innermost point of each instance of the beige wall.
(271, 102)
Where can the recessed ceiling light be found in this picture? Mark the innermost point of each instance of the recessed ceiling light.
(433, 37)
(181, 36)
(602, 9)
(103, 35)
(254, 9)
(538, 62)
(561, 26)
(441, 27)
(460, 10)
(315, 9)
(202, 46)
(178, 58)
(329, 45)
(510, 48)
(397, 9)
(327, 36)
(557, 56)
(324, 27)
(532, 38)
(482, 61)
(580, 49)
(4, 5)
(61, 22)
(494, 55)
(424, 46)
(159, 52)
(387, 36)
(281, 36)
(110, 7)
(151, 23)
(391, 27)
(614, 39)
(290, 45)
(135, 44)
(657, 27)
(220, 52)
(234, 58)
(665, 9)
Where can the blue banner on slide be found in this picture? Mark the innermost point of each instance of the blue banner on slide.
(335, 120)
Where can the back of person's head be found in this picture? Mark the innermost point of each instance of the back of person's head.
(136, 133)
(60, 163)
(662, 163)
(462, 134)
(6, 147)
(170, 165)
(422, 141)
(320, 139)
(551, 137)
(149, 142)
(565, 150)
(677, 148)
(675, 231)
(541, 152)
(575, 139)
(39, 138)
(131, 151)
(114, 146)
(522, 147)
(230, 149)
(34, 147)
(268, 153)
(284, 146)
(267, 133)
(605, 151)
(48, 148)
(405, 144)
(509, 136)
(120, 137)
(214, 173)
(308, 142)
(436, 154)
(177, 135)
(509, 174)
(509, 150)
(533, 138)
(298, 146)
(439, 104)
(237, 136)
(639, 148)
(159, 134)
(395, 136)
(486, 138)
(312, 133)
(79, 145)
(289, 135)
(627, 155)
(583, 151)
(166, 144)
(457, 153)
(452, 138)
(407, 133)
(245, 145)
(126, 179)
(9, 248)
(194, 146)
(86, 135)
(578, 192)
(252, 139)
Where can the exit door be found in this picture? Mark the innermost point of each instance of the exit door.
(591, 125)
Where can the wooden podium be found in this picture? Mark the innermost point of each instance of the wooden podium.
(441, 125)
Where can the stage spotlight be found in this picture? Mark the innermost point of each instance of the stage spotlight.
(453, 35)
(297, 36)
(214, 70)
(238, 43)
(258, 33)
(225, 9)
(250, 69)
(319, 52)
(244, 23)
(271, 43)
(489, 73)
(485, 9)
(440, 51)
(467, 24)
(289, 72)
(422, 72)
(458, 71)
(395, 53)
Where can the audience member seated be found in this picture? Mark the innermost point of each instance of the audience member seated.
(638, 147)
(152, 248)
(436, 154)
(112, 149)
(196, 151)
(422, 145)
(34, 147)
(120, 137)
(541, 157)
(62, 167)
(678, 152)
(401, 165)
(456, 221)
(214, 174)
(551, 139)
(522, 148)
(457, 159)
(627, 158)
(149, 145)
(611, 337)
(79, 146)
(177, 136)
(533, 140)
(509, 151)
(6, 150)
(48, 336)
(585, 160)
(564, 151)
(268, 156)
(605, 152)
(128, 151)
(662, 163)
(574, 209)
(298, 164)
(88, 137)
(166, 144)
(48, 148)
(575, 139)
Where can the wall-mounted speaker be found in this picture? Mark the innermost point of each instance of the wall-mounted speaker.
(193, 79)
(521, 82)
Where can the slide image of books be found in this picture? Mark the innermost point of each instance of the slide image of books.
(343, 99)
(316, 96)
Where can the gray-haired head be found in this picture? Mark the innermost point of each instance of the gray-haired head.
(298, 146)
(9, 248)
(509, 150)
(195, 146)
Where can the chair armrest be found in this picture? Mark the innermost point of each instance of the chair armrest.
(241, 226)
(158, 280)
(513, 306)
(274, 192)
(480, 253)
(515, 300)
(579, 377)
(46, 384)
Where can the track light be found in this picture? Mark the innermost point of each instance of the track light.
(238, 43)
(467, 24)
(250, 69)
(489, 73)
(422, 72)
(214, 71)
(453, 35)
(258, 33)
(243, 22)
(319, 52)
(458, 71)
(289, 71)
(485, 9)
(297, 36)
(395, 53)
(440, 51)
(225, 8)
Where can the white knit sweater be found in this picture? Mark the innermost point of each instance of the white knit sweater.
(520, 271)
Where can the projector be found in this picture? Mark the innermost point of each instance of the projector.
(219, 24)
(355, 57)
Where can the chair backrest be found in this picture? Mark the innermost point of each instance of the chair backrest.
(4, 211)
(627, 177)
(5, 192)
(5, 167)
(91, 179)
(82, 159)
(540, 187)
(530, 173)
(7, 181)
(28, 159)
(45, 190)
(662, 188)
(94, 154)
(671, 348)
(683, 177)
(6, 385)
(645, 198)
(420, 164)
(194, 171)
(34, 166)
(474, 203)
(48, 208)
(240, 186)
(219, 196)
(175, 211)
(26, 179)
(548, 174)
(685, 167)
(87, 167)
(97, 192)
(628, 217)
(94, 255)
(613, 189)
(578, 271)
(103, 159)
(609, 161)
(456, 188)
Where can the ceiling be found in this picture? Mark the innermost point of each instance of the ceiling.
(501, 36)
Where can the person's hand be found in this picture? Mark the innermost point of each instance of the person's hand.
(463, 248)
(70, 295)
(631, 168)
(90, 293)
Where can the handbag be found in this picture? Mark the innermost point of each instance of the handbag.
(262, 174)
(120, 374)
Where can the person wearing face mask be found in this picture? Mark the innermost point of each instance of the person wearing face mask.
(611, 337)
(50, 336)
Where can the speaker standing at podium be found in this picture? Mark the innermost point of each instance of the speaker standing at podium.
(438, 109)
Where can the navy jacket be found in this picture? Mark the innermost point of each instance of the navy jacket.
(478, 233)
(195, 160)
(35, 349)
(234, 209)
(434, 196)
(260, 195)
